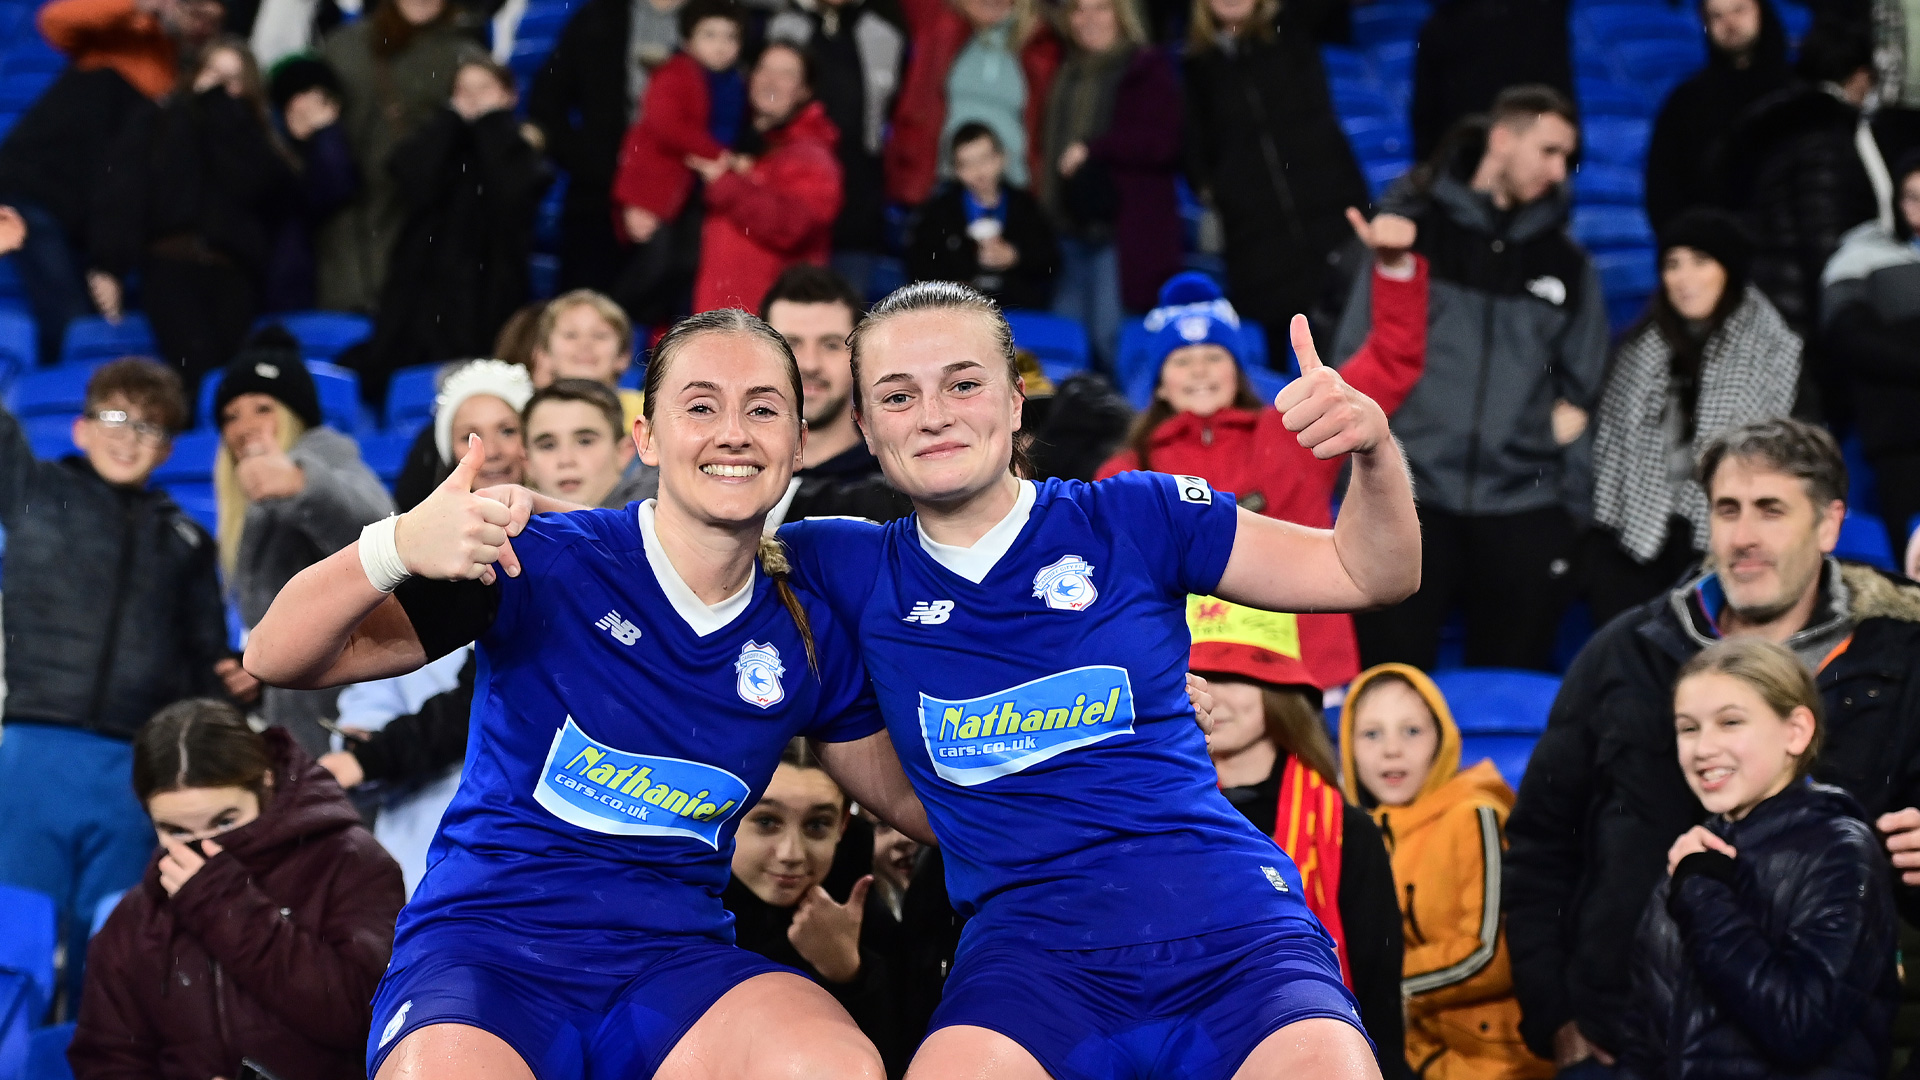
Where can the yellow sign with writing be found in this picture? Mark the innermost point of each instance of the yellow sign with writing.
(1212, 619)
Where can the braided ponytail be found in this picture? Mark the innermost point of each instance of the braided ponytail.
(773, 559)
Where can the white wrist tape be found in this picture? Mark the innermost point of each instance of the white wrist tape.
(380, 556)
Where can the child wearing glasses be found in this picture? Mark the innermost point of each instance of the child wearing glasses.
(112, 610)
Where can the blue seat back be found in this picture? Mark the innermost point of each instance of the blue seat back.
(1509, 754)
(19, 341)
(192, 459)
(56, 391)
(50, 436)
(29, 928)
(94, 338)
(410, 394)
(1863, 538)
(1060, 343)
(1498, 701)
(324, 335)
(47, 1053)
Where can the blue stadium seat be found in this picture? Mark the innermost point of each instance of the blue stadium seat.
(1348, 65)
(30, 52)
(1354, 99)
(1615, 140)
(50, 436)
(1625, 274)
(385, 452)
(19, 342)
(1797, 19)
(1604, 97)
(1379, 138)
(1382, 21)
(94, 338)
(1612, 227)
(1060, 343)
(199, 502)
(1393, 60)
(339, 391)
(1863, 538)
(192, 459)
(1609, 25)
(410, 394)
(1382, 174)
(1661, 62)
(1863, 483)
(20, 89)
(47, 1053)
(1620, 185)
(103, 909)
(56, 391)
(323, 335)
(1498, 701)
(29, 925)
(1509, 754)
(635, 377)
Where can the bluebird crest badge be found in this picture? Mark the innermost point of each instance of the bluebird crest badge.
(760, 670)
(1066, 585)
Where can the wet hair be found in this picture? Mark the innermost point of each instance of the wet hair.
(926, 296)
(806, 284)
(152, 387)
(736, 323)
(586, 392)
(696, 12)
(1771, 671)
(1783, 445)
(971, 132)
(199, 743)
(602, 304)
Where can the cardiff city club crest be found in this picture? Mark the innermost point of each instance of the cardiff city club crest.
(1066, 585)
(760, 671)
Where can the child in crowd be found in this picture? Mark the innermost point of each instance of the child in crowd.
(585, 335)
(1771, 947)
(1269, 745)
(982, 231)
(306, 93)
(1400, 750)
(695, 106)
(290, 492)
(260, 929)
(112, 610)
(781, 858)
(576, 449)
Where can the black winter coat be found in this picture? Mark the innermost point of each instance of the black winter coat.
(1265, 146)
(1603, 798)
(54, 157)
(1470, 50)
(1684, 158)
(112, 597)
(204, 168)
(939, 249)
(1793, 172)
(579, 100)
(1777, 961)
(459, 270)
(328, 181)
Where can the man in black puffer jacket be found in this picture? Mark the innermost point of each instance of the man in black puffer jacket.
(1604, 798)
(1779, 959)
(112, 612)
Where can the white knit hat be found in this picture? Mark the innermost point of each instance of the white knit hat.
(508, 382)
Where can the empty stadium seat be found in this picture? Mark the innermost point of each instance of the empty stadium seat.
(1610, 25)
(94, 338)
(1863, 538)
(1629, 273)
(1509, 754)
(1060, 343)
(1392, 61)
(19, 342)
(20, 89)
(1382, 174)
(1612, 227)
(50, 436)
(1379, 138)
(1498, 701)
(1608, 183)
(56, 391)
(1383, 21)
(47, 1053)
(1605, 97)
(385, 452)
(199, 502)
(1346, 64)
(410, 394)
(1615, 140)
(1363, 99)
(191, 460)
(29, 927)
(324, 335)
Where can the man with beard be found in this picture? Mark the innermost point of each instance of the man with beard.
(815, 309)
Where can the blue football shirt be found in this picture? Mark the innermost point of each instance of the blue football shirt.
(621, 729)
(1042, 713)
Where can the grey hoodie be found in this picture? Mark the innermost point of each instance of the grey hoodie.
(1516, 319)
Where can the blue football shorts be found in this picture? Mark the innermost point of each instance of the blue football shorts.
(1192, 1008)
(564, 1022)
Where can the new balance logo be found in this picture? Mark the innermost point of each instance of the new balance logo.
(623, 631)
(930, 612)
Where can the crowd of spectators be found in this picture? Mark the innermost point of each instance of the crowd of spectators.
(1704, 868)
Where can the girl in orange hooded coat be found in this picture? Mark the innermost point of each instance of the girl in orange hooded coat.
(1400, 758)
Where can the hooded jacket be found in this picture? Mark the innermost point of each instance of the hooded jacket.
(112, 596)
(1778, 960)
(271, 951)
(1604, 798)
(1870, 315)
(1462, 1019)
(1517, 321)
(777, 215)
(1253, 455)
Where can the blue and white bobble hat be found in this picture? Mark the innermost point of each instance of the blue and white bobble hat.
(1192, 311)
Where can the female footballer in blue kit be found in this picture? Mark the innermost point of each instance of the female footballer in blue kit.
(638, 681)
(1027, 643)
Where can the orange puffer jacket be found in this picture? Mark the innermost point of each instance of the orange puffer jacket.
(1463, 1022)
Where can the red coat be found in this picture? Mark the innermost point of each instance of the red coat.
(272, 951)
(779, 214)
(653, 174)
(1253, 455)
(938, 33)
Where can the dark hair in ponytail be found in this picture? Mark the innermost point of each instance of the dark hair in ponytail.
(199, 743)
(772, 553)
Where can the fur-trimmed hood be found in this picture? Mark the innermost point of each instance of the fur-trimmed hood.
(1878, 594)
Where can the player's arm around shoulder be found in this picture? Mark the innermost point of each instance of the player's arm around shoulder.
(1371, 557)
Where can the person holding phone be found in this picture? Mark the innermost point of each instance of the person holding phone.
(262, 926)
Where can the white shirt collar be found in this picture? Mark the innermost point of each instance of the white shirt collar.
(976, 562)
(704, 619)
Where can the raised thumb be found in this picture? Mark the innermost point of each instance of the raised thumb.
(1303, 349)
(467, 469)
(857, 898)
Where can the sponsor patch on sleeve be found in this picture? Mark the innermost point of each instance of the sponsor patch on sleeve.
(1193, 489)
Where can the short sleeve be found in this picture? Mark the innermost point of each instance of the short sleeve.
(848, 708)
(1180, 525)
(836, 559)
(447, 615)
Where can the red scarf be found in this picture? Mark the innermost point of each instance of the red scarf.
(1309, 827)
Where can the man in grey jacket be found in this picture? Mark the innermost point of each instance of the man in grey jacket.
(1516, 352)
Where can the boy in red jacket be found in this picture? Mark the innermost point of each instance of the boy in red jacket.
(694, 106)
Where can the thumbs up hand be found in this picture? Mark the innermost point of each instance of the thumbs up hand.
(827, 935)
(1390, 237)
(1331, 417)
(454, 534)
